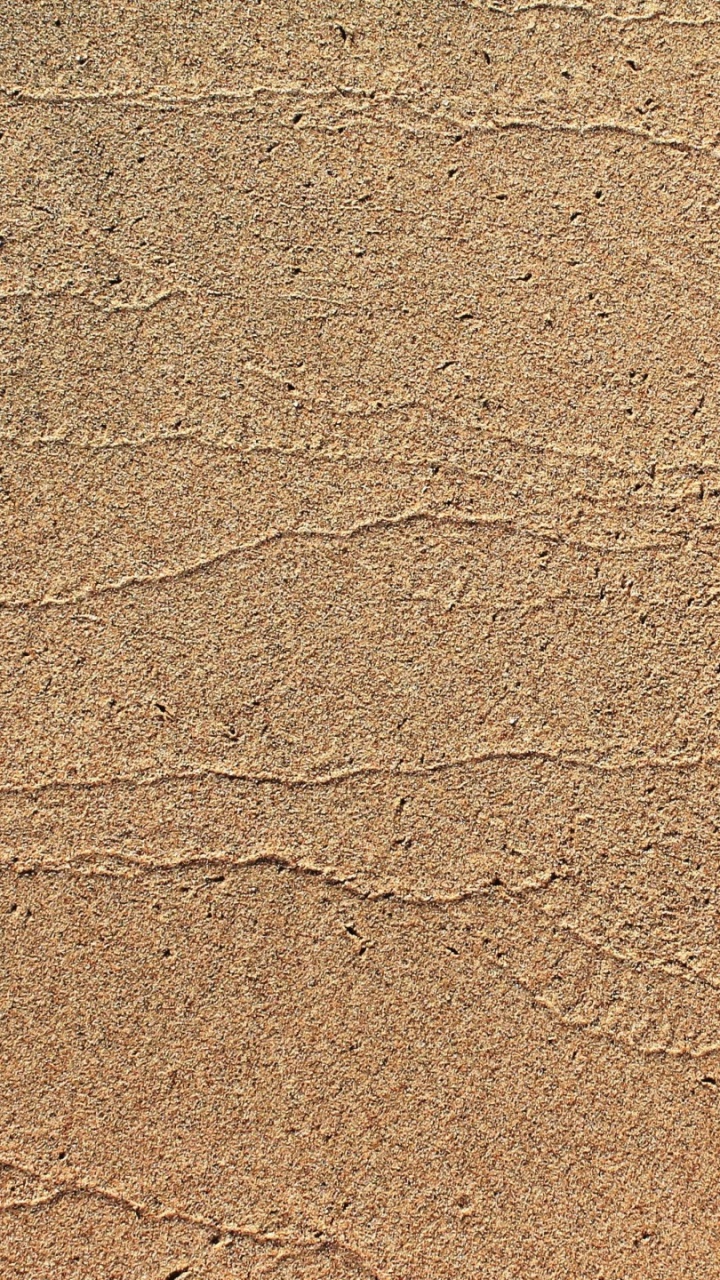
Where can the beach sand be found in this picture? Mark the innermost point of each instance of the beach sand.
(359, 650)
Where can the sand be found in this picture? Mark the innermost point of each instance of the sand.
(360, 489)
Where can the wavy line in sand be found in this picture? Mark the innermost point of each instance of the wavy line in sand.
(318, 1239)
(306, 533)
(560, 759)
(503, 894)
(660, 16)
(488, 125)
(691, 469)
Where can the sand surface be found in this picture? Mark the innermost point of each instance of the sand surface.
(359, 646)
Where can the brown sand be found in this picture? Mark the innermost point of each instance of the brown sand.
(359, 644)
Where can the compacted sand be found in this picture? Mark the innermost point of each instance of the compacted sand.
(359, 645)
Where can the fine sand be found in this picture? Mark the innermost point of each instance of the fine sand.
(359, 640)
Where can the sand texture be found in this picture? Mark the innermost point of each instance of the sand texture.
(359, 640)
